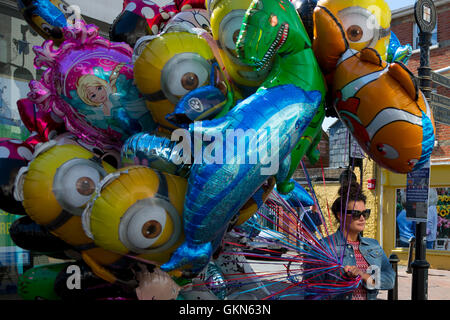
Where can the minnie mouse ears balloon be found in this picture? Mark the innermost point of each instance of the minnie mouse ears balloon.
(88, 82)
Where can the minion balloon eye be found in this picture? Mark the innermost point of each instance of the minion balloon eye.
(74, 183)
(361, 26)
(229, 30)
(150, 226)
(184, 73)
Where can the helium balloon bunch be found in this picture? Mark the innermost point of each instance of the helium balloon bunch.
(149, 149)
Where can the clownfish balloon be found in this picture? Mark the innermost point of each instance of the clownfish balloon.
(385, 111)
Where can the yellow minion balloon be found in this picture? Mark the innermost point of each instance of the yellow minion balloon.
(366, 23)
(138, 212)
(171, 65)
(226, 21)
(55, 188)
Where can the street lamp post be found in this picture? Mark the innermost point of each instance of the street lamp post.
(425, 14)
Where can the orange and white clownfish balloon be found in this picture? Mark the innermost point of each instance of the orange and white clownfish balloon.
(384, 110)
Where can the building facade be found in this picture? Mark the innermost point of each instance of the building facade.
(17, 39)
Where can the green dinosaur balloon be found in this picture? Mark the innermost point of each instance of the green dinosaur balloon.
(273, 36)
(38, 283)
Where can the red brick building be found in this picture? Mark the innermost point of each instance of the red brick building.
(404, 26)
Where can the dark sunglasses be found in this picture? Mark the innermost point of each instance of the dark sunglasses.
(356, 214)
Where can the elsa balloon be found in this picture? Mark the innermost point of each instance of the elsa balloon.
(88, 82)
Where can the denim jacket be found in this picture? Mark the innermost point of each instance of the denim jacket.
(374, 255)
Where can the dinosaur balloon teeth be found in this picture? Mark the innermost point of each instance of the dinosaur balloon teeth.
(273, 49)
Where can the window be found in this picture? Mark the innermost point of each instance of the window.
(438, 225)
(416, 31)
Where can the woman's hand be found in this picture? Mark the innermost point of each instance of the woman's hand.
(354, 272)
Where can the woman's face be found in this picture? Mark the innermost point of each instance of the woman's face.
(97, 94)
(355, 225)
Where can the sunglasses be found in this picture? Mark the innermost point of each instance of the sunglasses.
(356, 214)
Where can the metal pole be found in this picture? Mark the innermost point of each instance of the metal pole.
(425, 16)
(420, 265)
(393, 294)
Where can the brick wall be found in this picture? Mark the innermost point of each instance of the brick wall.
(439, 58)
(442, 150)
(324, 149)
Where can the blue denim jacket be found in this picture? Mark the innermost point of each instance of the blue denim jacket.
(374, 255)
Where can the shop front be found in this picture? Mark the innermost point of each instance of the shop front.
(395, 231)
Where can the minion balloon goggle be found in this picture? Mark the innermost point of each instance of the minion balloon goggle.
(74, 181)
(206, 102)
(150, 226)
(356, 33)
(204, 94)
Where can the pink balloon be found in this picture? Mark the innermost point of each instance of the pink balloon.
(88, 82)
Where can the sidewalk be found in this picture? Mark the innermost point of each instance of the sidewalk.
(438, 285)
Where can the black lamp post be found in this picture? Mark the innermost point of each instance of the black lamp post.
(425, 14)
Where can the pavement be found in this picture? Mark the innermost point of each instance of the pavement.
(438, 285)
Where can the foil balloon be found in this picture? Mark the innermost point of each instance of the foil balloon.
(55, 188)
(226, 20)
(155, 152)
(215, 280)
(30, 236)
(49, 17)
(299, 197)
(156, 285)
(365, 23)
(88, 82)
(110, 155)
(269, 29)
(38, 282)
(14, 154)
(140, 18)
(219, 202)
(89, 286)
(136, 212)
(43, 125)
(305, 9)
(170, 65)
(280, 28)
(192, 18)
(397, 52)
(384, 110)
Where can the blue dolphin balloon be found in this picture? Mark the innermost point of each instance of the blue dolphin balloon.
(271, 123)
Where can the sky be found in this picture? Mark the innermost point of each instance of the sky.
(396, 4)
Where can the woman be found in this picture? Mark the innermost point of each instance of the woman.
(360, 255)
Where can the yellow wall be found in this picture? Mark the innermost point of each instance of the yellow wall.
(389, 182)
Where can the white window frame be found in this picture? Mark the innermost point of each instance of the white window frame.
(434, 37)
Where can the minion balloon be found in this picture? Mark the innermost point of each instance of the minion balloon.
(226, 21)
(366, 23)
(172, 64)
(55, 188)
